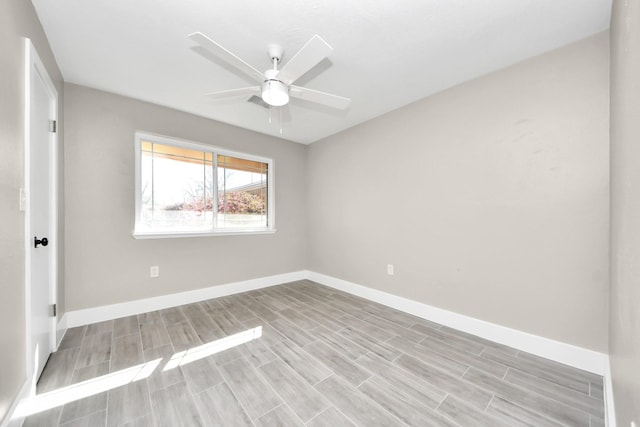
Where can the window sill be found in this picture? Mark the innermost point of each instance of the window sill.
(179, 234)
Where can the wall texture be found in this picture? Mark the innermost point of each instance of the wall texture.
(17, 20)
(105, 264)
(491, 198)
(624, 344)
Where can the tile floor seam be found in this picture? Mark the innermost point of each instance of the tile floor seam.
(192, 397)
(268, 383)
(504, 377)
(318, 382)
(505, 397)
(379, 405)
(106, 415)
(489, 403)
(317, 415)
(152, 411)
(268, 411)
(396, 358)
(235, 396)
(342, 413)
(81, 416)
(442, 400)
(294, 412)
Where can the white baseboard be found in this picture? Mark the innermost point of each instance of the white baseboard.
(567, 354)
(109, 312)
(578, 357)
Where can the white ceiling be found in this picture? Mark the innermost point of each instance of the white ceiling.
(386, 54)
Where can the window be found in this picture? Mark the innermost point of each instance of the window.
(184, 188)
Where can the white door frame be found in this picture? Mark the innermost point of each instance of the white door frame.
(34, 68)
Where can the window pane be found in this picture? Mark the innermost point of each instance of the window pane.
(242, 193)
(177, 188)
(181, 192)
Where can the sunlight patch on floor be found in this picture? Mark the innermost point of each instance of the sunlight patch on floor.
(213, 347)
(45, 401)
(52, 399)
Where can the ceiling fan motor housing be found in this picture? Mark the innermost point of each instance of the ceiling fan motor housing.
(273, 91)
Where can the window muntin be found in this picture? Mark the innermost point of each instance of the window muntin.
(185, 188)
(242, 192)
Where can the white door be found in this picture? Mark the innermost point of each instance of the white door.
(41, 186)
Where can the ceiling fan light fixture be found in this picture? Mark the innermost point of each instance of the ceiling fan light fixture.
(276, 85)
(275, 93)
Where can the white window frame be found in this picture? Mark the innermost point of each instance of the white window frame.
(138, 233)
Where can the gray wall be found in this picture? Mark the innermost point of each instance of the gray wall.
(17, 20)
(624, 343)
(105, 264)
(490, 198)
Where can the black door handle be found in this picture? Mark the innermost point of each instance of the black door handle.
(43, 242)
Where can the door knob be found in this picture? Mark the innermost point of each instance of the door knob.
(36, 242)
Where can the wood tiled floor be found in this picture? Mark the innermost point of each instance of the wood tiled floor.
(324, 358)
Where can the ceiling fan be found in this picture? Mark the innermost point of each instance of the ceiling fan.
(275, 85)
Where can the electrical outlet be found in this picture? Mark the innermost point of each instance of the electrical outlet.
(390, 269)
(154, 271)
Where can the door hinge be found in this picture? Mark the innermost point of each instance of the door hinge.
(53, 125)
(53, 310)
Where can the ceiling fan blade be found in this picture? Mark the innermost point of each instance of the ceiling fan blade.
(225, 94)
(333, 101)
(311, 54)
(226, 56)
